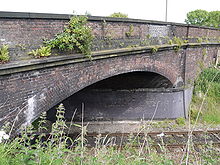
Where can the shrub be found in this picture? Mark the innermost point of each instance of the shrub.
(4, 54)
(207, 85)
(76, 36)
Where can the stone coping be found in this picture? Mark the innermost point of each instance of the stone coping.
(27, 15)
(26, 65)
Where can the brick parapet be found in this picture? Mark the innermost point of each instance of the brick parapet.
(26, 31)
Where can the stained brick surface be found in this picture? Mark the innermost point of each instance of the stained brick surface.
(24, 34)
(34, 91)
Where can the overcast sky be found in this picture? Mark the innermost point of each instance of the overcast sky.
(142, 9)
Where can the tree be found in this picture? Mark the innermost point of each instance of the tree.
(119, 15)
(197, 17)
(203, 18)
(214, 19)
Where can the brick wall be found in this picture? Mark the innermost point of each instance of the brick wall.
(26, 31)
(27, 94)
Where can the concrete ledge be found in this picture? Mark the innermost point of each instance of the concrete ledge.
(21, 66)
(27, 15)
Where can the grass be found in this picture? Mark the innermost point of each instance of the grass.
(207, 94)
(59, 149)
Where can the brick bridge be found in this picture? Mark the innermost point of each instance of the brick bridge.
(125, 80)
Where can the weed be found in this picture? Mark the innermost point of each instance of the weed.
(54, 149)
(131, 30)
(148, 36)
(207, 86)
(199, 40)
(154, 49)
(178, 42)
(4, 54)
(180, 121)
(76, 36)
(43, 51)
(204, 51)
(132, 46)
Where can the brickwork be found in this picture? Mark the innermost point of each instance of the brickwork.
(27, 94)
(38, 85)
(26, 31)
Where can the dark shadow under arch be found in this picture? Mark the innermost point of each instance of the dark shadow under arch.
(133, 80)
(126, 82)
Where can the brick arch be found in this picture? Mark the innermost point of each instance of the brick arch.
(63, 90)
(71, 78)
(169, 77)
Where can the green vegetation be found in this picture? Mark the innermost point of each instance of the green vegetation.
(199, 40)
(59, 149)
(204, 18)
(43, 51)
(177, 41)
(180, 121)
(204, 51)
(206, 99)
(119, 15)
(154, 49)
(4, 54)
(131, 30)
(76, 36)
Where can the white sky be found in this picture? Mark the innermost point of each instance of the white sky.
(142, 9)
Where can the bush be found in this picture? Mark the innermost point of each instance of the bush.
(209, 77)
(208, 86)
(76, 36)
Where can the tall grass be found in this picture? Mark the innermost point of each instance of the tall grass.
(58, 149)
(208, 86)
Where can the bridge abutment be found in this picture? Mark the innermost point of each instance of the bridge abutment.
(136, 105)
